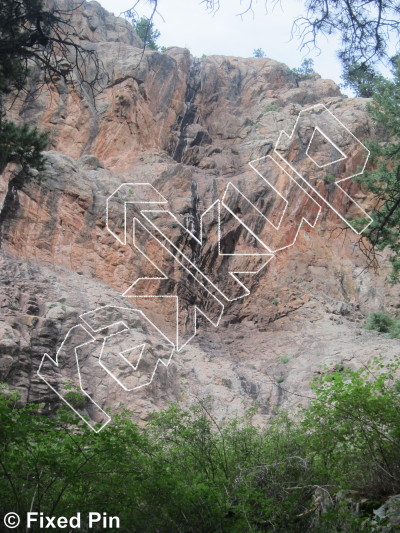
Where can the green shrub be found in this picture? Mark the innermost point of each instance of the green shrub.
(146, 30)
(258, 52)
(394, 331)
(380, 322)
(384, 323)
(353, 428)
(187, 472)
(271, 107)
(76, 399)
(305, 71)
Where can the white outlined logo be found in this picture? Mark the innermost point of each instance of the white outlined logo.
(283, 190)
(133, 349)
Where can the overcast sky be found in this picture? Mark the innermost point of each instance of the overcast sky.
(186, 23)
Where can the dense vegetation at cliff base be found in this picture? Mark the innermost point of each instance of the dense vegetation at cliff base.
(325, 470)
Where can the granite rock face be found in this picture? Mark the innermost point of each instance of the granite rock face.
(189, 127)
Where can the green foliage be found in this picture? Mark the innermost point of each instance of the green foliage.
(305, 71)
(384, 181)
(394, 332)
(74, 396)
(356, 420)
(380, 322)
(271, 107)
(285, 359)
(197, 476)
(21, 144)
(17, 21)
(18, 144)
(145, 29)
(384, 323)
(204, 476)
(360, 78)
(76, 399)
(37, 34)
(258, 52)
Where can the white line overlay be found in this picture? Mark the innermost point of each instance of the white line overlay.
(128, 345)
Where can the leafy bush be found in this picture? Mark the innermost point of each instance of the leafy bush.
(271, 107)
(305, 71)
(258, 52)
(356, 420)
(360, 78)
(187, 472)
(384, 323)
(383, 181)
(76, 399)
(394, 332)
(146, 30)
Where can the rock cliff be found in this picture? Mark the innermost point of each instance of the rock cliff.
(189, 127)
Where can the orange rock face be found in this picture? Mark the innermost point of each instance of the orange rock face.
(189, 127)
